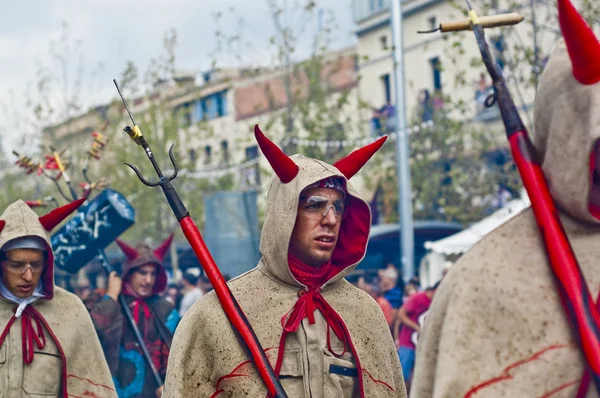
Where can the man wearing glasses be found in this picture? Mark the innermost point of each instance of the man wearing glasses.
(323, 336)
(48, 346)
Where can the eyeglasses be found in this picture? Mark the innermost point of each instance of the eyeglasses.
(319, 206)
(20, 267)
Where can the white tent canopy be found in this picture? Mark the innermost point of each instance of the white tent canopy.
(464, 240)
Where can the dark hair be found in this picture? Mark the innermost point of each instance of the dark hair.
(190, 278)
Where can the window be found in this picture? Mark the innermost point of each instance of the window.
(192, 155)
(199, 112)
(211, 107)
(432, 23)
(436, 69)
(498, 47)
(207, 76)
(252, 152)
(385, 80)
(207, 155)
(225, 152)
(185, 115)
(221, 99)
(250, 174)
(383, 41)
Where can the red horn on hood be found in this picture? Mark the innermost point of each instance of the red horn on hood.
(284, 167)
(52, 219)
(129, 251)
(351, 164)
(161, 250)
(582, 44)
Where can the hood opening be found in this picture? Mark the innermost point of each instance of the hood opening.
(353, 237)
(48, 274)
(160, 283)
(354, 230)
(281, 214)
(47, 278)
(594, 191)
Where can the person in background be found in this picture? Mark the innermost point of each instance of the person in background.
(409, 290)
(363, 285)
(412, 314)
(173, 294)
(204, 284)
(388, 285)
(83, 290)
(388, 311)
(142, 281)
(191, 292)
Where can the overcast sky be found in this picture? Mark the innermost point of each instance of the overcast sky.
(114, 31)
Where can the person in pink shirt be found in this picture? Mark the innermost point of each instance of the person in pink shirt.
(412, 314)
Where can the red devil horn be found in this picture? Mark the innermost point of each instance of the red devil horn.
(161, 250)
(284, 167)
(2, 224)
(582, 44)
(52, 219)
(129, 251)
(352, 163)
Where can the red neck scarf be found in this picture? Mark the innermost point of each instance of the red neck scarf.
(138, 307)
(305, 306)
(312, 277)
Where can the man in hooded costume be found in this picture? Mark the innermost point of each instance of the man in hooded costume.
(496, 327)
(323, 336)
(47, 345)
(143, 279)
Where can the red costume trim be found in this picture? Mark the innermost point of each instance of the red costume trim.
(29, 337)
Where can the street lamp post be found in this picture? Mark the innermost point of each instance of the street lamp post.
(402, 150)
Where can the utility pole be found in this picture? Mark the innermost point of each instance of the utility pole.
(402, 150)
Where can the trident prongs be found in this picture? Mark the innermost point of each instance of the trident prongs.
(135, 133)
(161, 181)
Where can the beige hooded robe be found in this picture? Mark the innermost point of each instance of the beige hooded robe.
(67, 331)
(206, 359)
(496, 327)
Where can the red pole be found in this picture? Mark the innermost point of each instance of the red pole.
(230, 306)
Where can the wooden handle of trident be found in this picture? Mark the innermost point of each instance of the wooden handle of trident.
(489, 21)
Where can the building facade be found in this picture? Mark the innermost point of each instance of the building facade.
(439, 65)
